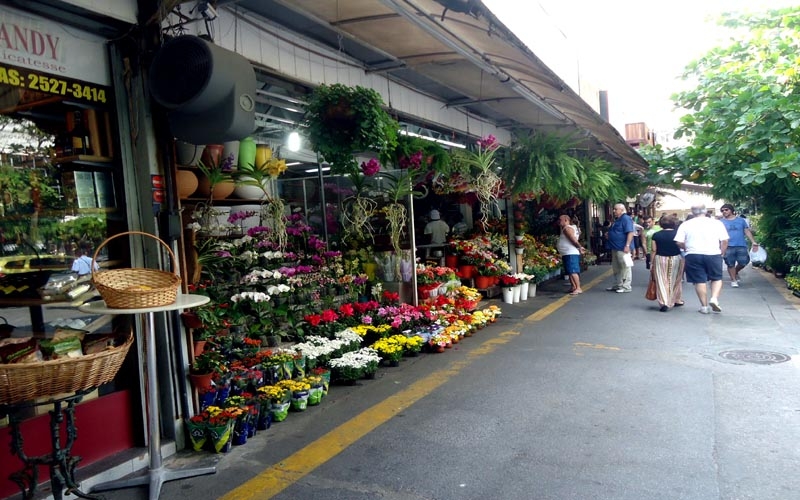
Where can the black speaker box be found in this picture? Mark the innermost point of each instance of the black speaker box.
(209, 91)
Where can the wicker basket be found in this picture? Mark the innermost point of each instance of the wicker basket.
(136, 288)
(26, 381)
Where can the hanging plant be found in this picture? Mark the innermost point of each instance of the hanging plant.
(342, 120)
(477, 170)
(542, 163)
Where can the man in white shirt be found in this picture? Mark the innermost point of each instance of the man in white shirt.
(437, 229)
(704, 239)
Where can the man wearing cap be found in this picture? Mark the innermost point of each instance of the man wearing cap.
(736, 256)
(705, 240)
(437, 229)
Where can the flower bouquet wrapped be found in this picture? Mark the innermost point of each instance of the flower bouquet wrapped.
(278, 398)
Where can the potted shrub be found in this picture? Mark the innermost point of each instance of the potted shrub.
(205, 367)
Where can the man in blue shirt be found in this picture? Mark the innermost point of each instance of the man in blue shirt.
(620, 236)
(736, 256)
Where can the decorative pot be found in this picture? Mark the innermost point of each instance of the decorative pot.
(247, 153)
(524, 290)
(231, 150)
(517, 290)
(188, 154)
(483, 282)
(187, 183)
(221, 190)
(508, 294)
(250, 192)
(212, 155)
(263, 155)
(519, 250)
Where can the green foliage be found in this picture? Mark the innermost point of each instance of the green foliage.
(407, 146)
(343, 120)
(539, 163)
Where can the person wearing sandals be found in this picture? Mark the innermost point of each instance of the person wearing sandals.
(667, 265)
(571, 250)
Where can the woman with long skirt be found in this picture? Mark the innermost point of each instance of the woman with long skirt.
(667, 265)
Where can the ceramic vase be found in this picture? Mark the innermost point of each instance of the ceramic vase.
(517, 291)
(524, 290)
(531, 290)
(247, 153)
(508, 294)
(187, 182)
(188, 154)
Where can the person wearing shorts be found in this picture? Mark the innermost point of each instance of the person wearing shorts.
(736, 256)
(571, 250)
(704, 239)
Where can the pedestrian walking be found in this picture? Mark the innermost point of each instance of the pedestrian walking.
(736, 256)
(667, 265)
(650, 228)
(704, 239)
(620, 236)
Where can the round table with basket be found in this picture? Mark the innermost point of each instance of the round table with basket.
(145, 292)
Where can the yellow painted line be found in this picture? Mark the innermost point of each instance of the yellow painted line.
(558, 304)
(280, 476)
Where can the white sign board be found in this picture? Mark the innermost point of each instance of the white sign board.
(42, 46)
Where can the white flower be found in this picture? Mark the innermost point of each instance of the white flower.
(194, 226)
(254, 296)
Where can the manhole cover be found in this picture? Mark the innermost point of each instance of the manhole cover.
(755, 357)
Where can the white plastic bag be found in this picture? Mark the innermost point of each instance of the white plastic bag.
(758, 257)
(628, 260)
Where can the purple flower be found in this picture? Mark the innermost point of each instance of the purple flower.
(371, 167)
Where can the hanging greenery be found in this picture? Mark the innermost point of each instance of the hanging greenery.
(344, 120)
(540, 162)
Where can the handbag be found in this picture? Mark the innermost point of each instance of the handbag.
(650, 294)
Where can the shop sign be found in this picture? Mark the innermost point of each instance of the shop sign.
(40, 46)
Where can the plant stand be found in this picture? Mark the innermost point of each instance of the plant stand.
(157, 474)
(60, 460)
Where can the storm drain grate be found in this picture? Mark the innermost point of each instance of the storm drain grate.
(755, 357)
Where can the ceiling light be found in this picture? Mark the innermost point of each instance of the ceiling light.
(294, 143)
(433, 139)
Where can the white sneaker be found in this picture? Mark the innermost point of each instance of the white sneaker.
(734, 284)
(714, 303)
(704, 310)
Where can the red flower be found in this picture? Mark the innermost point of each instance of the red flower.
(313, 319)
(346, 310)
(329, 315)
(391, 297)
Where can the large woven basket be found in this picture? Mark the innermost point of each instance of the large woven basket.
(136, 288)
(26, 381)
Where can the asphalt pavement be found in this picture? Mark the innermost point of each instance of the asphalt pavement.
(596, 396)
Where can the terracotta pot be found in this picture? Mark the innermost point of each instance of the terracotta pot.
(199, 347)
(187, 182)
(221, 190)
(212, 155)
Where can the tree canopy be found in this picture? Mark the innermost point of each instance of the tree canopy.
(743, 122)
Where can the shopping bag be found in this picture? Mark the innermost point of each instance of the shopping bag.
(758, 257)
(627, 259)
(650, 294)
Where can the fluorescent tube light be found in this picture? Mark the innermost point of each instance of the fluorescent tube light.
(315, 170)
(433, 139)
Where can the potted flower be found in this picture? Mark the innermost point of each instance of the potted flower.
(390, 349)
(354, 365)
(205, 367)
(509, 283)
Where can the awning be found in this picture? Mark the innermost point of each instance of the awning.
(465, 59)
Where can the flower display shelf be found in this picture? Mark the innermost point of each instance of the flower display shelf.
(157, 474)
